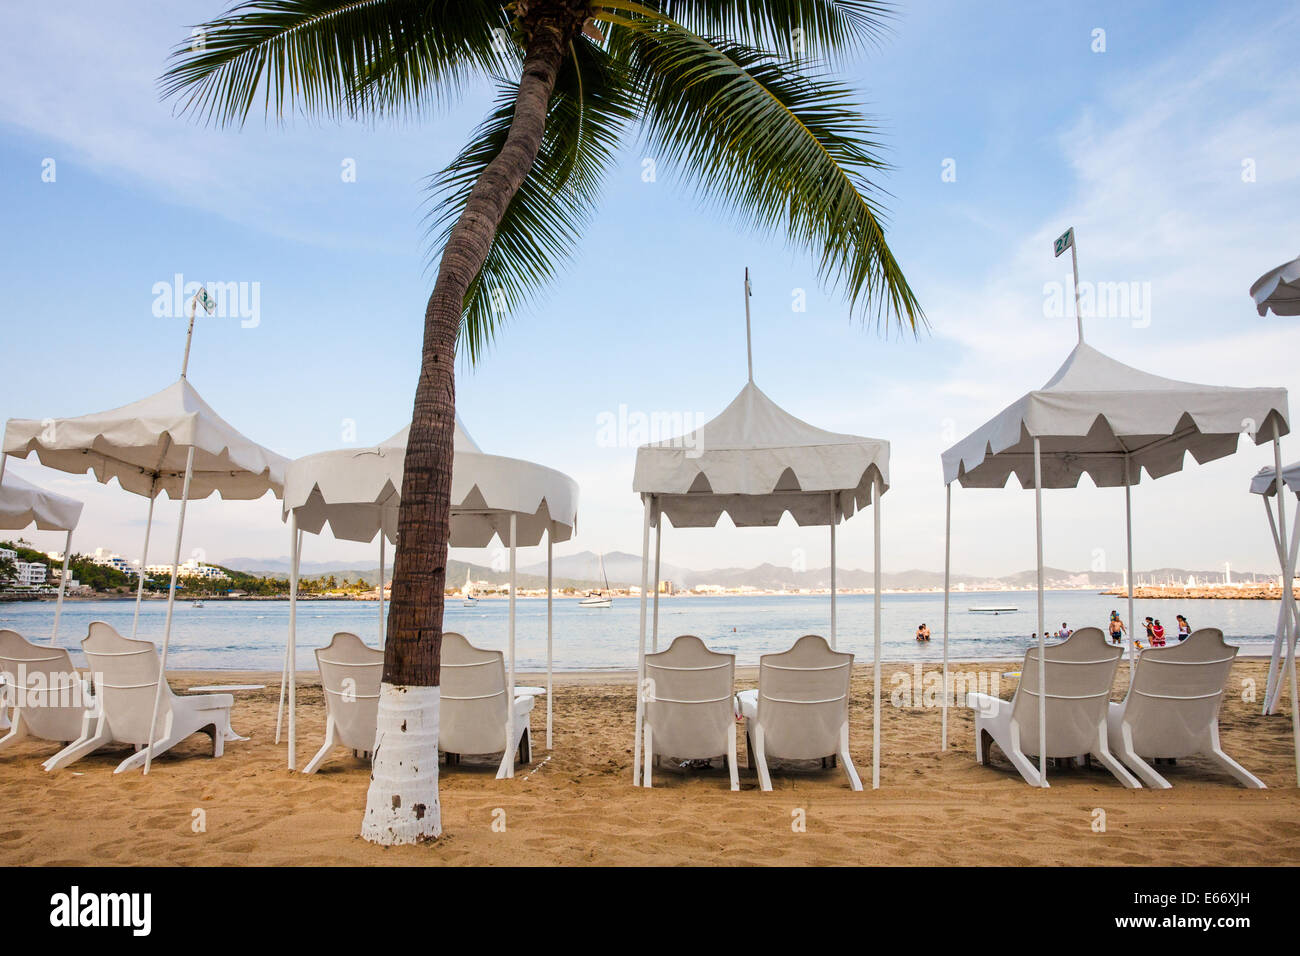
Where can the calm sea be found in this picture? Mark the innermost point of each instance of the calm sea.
(250, 635)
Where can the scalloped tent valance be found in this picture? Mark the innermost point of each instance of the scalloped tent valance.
(357, 491)
(1264, 482)
(1279, 290)
(144, 446)
(755, 462)
(23, 503)
(1096, 413)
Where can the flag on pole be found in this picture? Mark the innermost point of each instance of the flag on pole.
(1065, 241)
(208, 303)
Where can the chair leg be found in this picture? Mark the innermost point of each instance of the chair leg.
(760, 758)
(850, 771)
(1144, 770)
(331, 734)
(1108, 760)
(526, 747)
(731, 756)
(1216, 754)
(78, 749)
(159, 748)
(18, 731)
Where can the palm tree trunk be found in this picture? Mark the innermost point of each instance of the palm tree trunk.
(402, 802)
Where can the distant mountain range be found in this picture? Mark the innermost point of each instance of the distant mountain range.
(583, 571)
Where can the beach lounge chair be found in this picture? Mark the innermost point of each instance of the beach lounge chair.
(689, 709)
(800, 710)
(1172, 708)
(472, 714)
(1079, 674)
(350, 674)
(126, 674)
(50, 700)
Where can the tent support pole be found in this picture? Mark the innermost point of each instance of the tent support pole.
(144, 560)
(659, 537)
(947, 587)
(291, 656)
(1279, 635)
(878, 490)
(1132, 584)
(171, 605)
(640, 657)
(381, 589)
(1288, 574)
(832, 524)
(295, 543)
(63, 585)
(507, 769)
(1042, 657)
(550, 590)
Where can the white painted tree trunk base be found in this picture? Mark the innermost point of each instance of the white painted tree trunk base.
(402, 802)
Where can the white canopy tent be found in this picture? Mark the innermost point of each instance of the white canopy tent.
(1278, 289)
(23, 504)
(754, 463)
(357, 492)
(1111, 421)
(170, 442)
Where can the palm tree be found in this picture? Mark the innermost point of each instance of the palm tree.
(736, 99)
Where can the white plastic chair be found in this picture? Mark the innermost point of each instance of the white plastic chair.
(1172, 708)
(350, 675)
(1079, 674)
(472, 713)
(689, 709)
(50, 700)
(800, 710)
(126, 674)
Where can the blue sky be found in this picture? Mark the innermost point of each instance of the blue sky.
(1140, 147)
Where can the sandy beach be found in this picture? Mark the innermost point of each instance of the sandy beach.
(576, 805)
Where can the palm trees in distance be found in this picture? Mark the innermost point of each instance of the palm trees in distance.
(736, 100)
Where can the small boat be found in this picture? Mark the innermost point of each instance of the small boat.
(994, 610)
(469, 600)
(603, 597)
(197, 604)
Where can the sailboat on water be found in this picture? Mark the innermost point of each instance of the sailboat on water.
(469, 600)
(603, 597)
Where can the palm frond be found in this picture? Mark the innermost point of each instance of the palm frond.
(779, 149)
(547, 216)
(794, 29)
(336, 58)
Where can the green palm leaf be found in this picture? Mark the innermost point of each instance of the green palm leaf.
(336, 58)
(775, 148)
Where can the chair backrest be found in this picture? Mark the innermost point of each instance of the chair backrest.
(689, 703)
(44, 685)
(126, 676)
(803, 699)
(472, 713)
(1176, 693)
(350, 675)
(1079, 674)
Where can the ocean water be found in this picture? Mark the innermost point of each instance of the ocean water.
(250, 635)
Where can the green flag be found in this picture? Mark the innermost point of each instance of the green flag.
(1065, 241)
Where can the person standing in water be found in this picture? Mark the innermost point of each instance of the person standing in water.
(922, 633)
(1184, 629)
(1117, 628)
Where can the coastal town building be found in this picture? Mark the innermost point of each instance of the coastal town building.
(28, 574)
(107, 559)
(189, 569)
